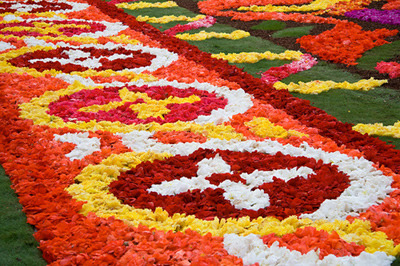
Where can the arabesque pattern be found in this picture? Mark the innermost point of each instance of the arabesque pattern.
(127, 145)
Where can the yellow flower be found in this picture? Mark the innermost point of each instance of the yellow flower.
(379, 129)
(140, 5)
(203, 35)
(315, 5)
(42, 14)
(167, 19)
(264, 128)
(254, 57)
(317, 86)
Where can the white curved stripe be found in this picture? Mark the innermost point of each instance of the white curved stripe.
(252, 250)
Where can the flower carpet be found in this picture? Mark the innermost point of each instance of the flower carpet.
(128, 145)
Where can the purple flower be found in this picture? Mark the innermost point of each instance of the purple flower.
(381, 16)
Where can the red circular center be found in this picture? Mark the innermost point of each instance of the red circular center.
(68, 107)
(294, 197)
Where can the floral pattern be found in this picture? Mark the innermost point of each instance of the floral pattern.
(126, 145)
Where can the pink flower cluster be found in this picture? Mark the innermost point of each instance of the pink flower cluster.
(202, 23)
(275, 74)
(392, 68)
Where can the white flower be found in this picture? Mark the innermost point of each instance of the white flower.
(84, 145)
(252, 250)
(12, 18)
(5, 46)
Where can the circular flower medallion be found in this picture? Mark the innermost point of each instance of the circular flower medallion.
(226, 184)
(137, 104)
(141, 105)
(38, 27)
(32, 6)
(71, 59)
(218, 179)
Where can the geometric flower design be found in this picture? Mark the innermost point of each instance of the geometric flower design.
(56, 27)
(123, 107)
(227, 184)
(61, 6)
(133, 104)
(330, 185)
(127, 145)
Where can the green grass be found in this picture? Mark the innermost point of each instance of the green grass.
(323, 71)
(159, 12)
(378, 54)
(391, 141)
(221, 28)
(270, 25)
(17, 244)
(261, 66)
(249, 44)
(396, 262)
(375, 106)
(293, 32)
(166, 26)
(378, 105)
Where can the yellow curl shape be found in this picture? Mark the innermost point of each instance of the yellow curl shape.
(316, 5)
(379, 129)
(203, 35)
(167, 19)
(317, 86)
(254, 57)
(140, 5)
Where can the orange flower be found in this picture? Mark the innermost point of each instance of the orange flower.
(347, 42)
